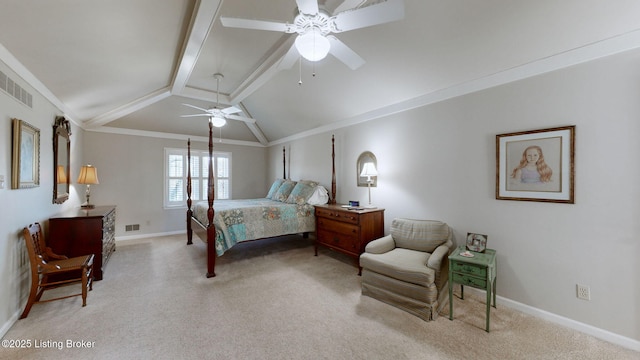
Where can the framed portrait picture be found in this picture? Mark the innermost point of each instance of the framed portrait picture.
(25, 164)
(476, 242)
(536, 165)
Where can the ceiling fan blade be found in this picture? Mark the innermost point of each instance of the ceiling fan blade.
(194, 115)
(255, 24)
(309, 7)
(348, 5)
(230, 110)
(384, 12)
(289, 58)
(195, 107)
(241, 118)
(343, 53)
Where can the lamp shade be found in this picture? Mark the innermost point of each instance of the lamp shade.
(88, 175)
(312, 45)
(217, 121)
(61, 175)
(369, 169)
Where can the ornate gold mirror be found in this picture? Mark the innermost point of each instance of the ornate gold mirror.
(61, 159)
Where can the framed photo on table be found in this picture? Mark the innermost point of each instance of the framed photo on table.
(476, 242)
(25, 164)
(536, 165)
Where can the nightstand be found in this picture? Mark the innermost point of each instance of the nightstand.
(478, 271)
(347, 231)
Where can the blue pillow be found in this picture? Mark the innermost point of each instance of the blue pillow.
(274, 187)
(301, 192)
(284, 190)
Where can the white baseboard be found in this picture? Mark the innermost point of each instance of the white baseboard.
(560, 320)
(9, 323)
(145, 236)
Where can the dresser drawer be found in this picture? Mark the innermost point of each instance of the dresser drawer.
(339, 227)
(470, 281)
(343, 216)
(346, 242)
(471, 269)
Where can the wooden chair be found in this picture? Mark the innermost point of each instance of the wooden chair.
(49, 270)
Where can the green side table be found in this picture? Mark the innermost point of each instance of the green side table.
(478, 271)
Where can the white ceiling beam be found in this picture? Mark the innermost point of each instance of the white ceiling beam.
(204, 15)
(128, 108)
(204, 95)
(264, 72)
(253, 127)
(172, 136)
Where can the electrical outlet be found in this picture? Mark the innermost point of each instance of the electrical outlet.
(583, 292)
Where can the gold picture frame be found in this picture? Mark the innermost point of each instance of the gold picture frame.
(536, 165)
(25, 164)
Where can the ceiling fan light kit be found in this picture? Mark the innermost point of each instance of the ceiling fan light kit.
(312, 45)
(314, 27)
(217, 121)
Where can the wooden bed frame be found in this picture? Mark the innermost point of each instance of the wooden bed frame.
(207, 232)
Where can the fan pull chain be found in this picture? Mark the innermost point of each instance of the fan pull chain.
(300, 71)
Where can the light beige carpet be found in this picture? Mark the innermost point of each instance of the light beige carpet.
(272, 299)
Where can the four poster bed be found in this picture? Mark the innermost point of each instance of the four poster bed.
(287, 209)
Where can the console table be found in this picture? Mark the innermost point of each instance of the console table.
(478, 271)
(83, 232)
(347, 231)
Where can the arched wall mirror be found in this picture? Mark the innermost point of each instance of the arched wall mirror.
(366, 157)
(61, 159)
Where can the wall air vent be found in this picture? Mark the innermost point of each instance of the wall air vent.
(133, 227)
(12, 88)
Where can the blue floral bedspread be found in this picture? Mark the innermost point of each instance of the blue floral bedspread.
(251, 219)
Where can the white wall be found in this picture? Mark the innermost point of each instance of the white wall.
(22, 207)
(131, 170)
(438, 162)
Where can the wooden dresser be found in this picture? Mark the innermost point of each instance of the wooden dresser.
(85, 231)
(347, 231)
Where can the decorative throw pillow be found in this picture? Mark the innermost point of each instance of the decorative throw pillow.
(274, 187)
(301, 192)
(284, 190)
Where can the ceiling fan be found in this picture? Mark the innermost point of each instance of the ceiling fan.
(217, 116)
(313, 26)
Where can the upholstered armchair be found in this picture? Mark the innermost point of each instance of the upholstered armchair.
(409, 268)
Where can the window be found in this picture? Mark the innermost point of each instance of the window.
(175, 193)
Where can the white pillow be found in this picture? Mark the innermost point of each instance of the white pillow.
(320, 196)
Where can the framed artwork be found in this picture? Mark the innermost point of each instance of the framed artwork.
(536, 165)
(25, 165)
(476, 242)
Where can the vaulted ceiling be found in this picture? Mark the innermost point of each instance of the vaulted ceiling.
(130, 65)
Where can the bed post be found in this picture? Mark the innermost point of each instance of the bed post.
(211, 229)
(284, 164)
(333, 170)
(189, 211)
